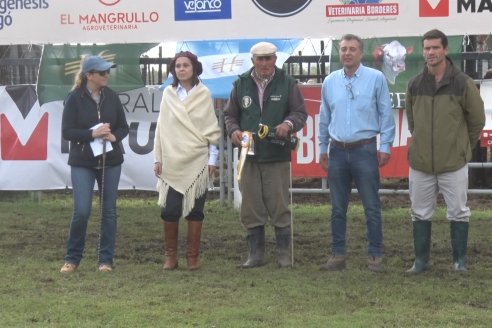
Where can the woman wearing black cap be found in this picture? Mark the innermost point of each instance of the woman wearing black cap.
(93, 115)
(185, 156)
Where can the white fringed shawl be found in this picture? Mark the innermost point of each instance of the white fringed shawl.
(183, 133)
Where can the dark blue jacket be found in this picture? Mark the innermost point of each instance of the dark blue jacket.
(80, 114)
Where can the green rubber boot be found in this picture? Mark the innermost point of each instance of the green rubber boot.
(422, 243)
(283, 242)
(256, 243)
(459, 242)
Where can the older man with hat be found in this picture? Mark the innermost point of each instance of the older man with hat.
(265, 95)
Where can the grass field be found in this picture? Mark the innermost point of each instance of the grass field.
(138, 293)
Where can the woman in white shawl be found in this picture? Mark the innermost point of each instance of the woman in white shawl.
(185, 156)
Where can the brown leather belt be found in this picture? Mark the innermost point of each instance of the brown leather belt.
(352, 145)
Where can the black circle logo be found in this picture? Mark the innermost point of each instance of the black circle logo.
(281, 8)
(109, 2)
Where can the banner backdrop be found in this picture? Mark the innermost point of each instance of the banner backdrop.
(305, 163)
(131, 21)
(60, 64)
(224, 60)
(34, 155)
(399, 58)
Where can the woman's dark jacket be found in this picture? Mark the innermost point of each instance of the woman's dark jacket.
(80, 114)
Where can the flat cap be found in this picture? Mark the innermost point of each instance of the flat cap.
(263, 49)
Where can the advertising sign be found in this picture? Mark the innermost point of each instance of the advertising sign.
(149, 21)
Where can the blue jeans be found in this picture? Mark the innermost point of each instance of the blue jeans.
(359, 165)
(83, 179)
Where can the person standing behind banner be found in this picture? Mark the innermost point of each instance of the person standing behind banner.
(445, 116)
(185, 156)
(355, 108)
(93, 113)
(265, 95)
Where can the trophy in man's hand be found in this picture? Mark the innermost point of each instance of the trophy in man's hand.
(267, 133)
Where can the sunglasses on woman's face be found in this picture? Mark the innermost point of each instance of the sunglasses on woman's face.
(102, 73)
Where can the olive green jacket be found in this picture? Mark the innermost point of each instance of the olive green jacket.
(281, 101)
(445, 120)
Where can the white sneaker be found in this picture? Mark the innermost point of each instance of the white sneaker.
(68, 267)
(105, 267)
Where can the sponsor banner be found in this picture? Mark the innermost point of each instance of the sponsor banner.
(31, 142)
(281, 8)
(60, 64)
(366, 9)
(32, 146)
(306, 159)
(34, 155)
(202, 10)
(434, 8)
(130, 21)
(399, 59)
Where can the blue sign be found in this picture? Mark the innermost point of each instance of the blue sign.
(202, 9)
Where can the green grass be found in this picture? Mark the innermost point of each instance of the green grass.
(140, 294)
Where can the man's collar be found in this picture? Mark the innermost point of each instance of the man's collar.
(262, 81)
(356, 73)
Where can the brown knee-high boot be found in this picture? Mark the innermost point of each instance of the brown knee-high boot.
(170, 245)
(193, 250)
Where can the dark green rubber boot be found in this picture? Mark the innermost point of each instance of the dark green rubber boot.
(256, 244)
(422, 243)
(459, 242)
(283, 242)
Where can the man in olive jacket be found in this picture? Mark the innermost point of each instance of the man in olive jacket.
(265, 95)
(445, 116)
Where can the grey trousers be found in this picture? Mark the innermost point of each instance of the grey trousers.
(424, 188)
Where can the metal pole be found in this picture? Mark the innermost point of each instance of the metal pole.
(291, 217)
(101, 200)
(222, 181)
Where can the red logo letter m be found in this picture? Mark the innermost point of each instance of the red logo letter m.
(20, 100)
(433, 8)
